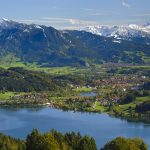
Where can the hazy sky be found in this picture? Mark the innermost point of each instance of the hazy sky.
(74, 13)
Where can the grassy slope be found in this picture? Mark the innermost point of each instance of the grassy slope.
(6, 95)
(127, 109)
(52, 70)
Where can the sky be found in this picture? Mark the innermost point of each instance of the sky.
(76, 13)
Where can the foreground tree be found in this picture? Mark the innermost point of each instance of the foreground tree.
(121, 143)
(87, 143)
(70, 141)
(37, 141)
(9, 143)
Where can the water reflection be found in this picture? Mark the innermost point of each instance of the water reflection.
(18, 122)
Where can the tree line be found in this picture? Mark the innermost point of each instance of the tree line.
(54, 140)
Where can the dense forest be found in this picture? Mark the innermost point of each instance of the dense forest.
(19, 79)
(70, 141)
(143, 107)
(22, 80)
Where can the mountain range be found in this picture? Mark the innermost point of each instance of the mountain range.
(48, 46)
(121, 32)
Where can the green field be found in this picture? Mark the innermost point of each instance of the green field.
(99, 107)
(83, 89)
(126, 109)
(51, 70)
(6, 95)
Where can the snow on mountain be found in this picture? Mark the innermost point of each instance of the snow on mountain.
(119, 32)
(4, 19)
(147, 24)
(4, 23)
(123, 32)
(8, 24)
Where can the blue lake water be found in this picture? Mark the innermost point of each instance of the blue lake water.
(19, 122)
(88, 94)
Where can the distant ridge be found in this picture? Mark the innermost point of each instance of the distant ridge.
(124, 32)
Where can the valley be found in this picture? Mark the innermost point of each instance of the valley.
(74, 80)
(119, 91)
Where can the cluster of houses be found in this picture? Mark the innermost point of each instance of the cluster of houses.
(34, 97)
(122, 82)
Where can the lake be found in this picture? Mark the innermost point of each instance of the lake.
(19, 122)
(88, 94)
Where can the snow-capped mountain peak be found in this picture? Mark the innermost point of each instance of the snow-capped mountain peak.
(134, 26)
(124, 32)
(5, 23)
(147, 24)
(4, 19)
(10, 24)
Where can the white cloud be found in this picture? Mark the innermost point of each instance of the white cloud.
(69, 21)
(61, 23)
(125, 4)
(73, 21)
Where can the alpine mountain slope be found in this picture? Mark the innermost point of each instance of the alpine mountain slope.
(47, 46)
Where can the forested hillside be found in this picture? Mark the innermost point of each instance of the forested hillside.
(50, 47)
